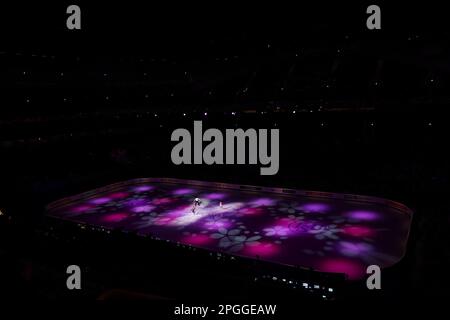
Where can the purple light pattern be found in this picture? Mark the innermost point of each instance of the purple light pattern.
(337, 236)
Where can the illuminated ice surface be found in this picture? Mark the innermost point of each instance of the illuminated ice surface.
(329, 235)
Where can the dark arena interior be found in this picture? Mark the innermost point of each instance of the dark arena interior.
(348, 192)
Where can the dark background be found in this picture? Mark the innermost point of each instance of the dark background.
(359, 111)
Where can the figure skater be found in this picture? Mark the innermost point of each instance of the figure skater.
(197, 203)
